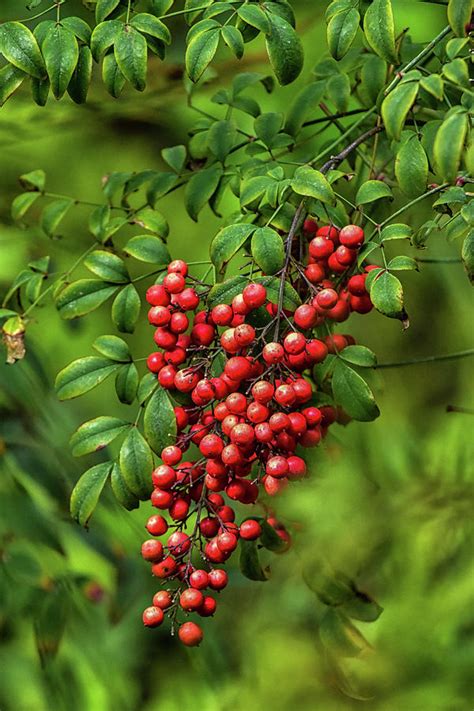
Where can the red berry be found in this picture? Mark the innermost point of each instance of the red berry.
(161, 499)
(178, 543)
(297, 467)
(171, 455)
(152, 616)
(263, 432)
(222, 314)
(242, 434)
(156, 525)
(165, 568)
(164, 338)
(238, 367)
(156, 295)
(179, 322)
(257, 412)
(227, 542)
(351, 236)
(306, 316)
(159, 316)
(315, 273)
(239, 305)
(316, 350)
(345, 256)
(174, 283)
(279, 421)
(188, 300)
(218, 579)
(326, 298)
(162, 599)
(191, 599)
(199, 579)
(178, 266)
(190, 634)
(263, 391)
(236, 403)
(277, 467)
(208, 607)
(211, 445)
(356, 285)
(203, 334)
(254, 295)
(285, 395)
(310, 226)
(244, 334)
(163, 477)
(320, 248)
(250, 530)
(155, 362)
(273, 353)
(294, 343)
(209, 527)
(152, 550)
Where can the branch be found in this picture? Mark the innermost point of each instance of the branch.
(427, 359)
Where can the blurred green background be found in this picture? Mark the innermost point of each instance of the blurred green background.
(388, 503)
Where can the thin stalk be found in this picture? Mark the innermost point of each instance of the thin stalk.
(426, 359)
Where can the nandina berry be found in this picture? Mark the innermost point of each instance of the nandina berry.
(211, 445)
(277, 467)
(165, 568)
(244, 334)
(235, 490)
(329, 232)
(285, 395)
(334, 265)
(152, 616)
(155, 362)
(236, 403)
(159, 316)
(162, 599)
(156, 525)
(326, 298)
(179, 322)
(320, 247)
(152, 550)
(250, 530)
(315, 273)
(190, 634)
(163, 477)
(263, 432)
(279, 421)
(213, 553)
(238, 367)
(311, 438)
(186, 380)
(161, 499)
(254, 295)
(336, 343)
(361, 304)
(351, 236)
(209, 527)
(188, 300)
(273, 353)
(263, 391)
(178, 543)
(257, 412)
(174, 283)
(296, 467)
(175, 357)
(203, 334)
(274, 486)
(231, 455)
(227, 542)
(171, 455)
(345, 256)
(199, 579)
(312, 415)
(356, 285)
(228, 341)
(294, 343)
(340, 312)
(226, 513)
(218, 579)
(242, 434)
(310, 226)
(208, 607)
(157, 295)
(222, 314)
(190, 599)
(228, 423)
(165, 339)
(179, 266)
(302, 389)
(316, 350)
(179, 509)
(298, 424)
(306, 316)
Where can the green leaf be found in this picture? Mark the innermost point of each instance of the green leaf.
(175, 157)
(200, 188)
(448, 145)
(50, 621)
(254, 15)
(285, 50)
(372, 77)
(104, 8)
(190, 5)
(79, 27)
(267, 126)
(341, 32)
(107, 266)
(104, 36)
(267, 250)
(312, 183)
(112, 347)
(22, 203)
(291, 299)
(40, 90)
(19, 47)
(467, 255)
(86, 493)
(136, 464)
(234, 40)
(379, 29)
(150, 25)
(396, 231)
(434, 85)
(395, 108)
(459, 15)
(340, 636)
(159, 186)
(402, 263)
(359, 355)
(159, 421)
(83, 375)
(35, 180)
(126, 383)
(130, 49)
(372, 190)
(221, 138)
(362, 607)
(200, 52)
(112, 77)
(61, 54)
(147, 248)
(227, 243)
(94, 435)
(252, 189)
(303, 105)
(386, 294)
(122, 493)
(270, 539)
(82, 297)
(411, 167)
(338, 90)
(81, 79)
(224, 292)
(353, 394)
(457, 72)
(53, 214)
(250, 565)
(147, 385)
(126, 309)
(10, 79)
(153, 221)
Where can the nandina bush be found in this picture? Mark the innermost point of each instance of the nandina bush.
(249, 370)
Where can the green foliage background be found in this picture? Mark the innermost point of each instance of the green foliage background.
(388, 503)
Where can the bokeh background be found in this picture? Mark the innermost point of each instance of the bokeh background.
(388, 503)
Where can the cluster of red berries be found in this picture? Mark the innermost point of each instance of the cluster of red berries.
(245, 409)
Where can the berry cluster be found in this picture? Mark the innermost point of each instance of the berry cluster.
(247, 410)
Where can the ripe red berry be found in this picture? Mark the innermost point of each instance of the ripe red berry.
(285, 395)
(244, 334)
(178, 266)
(356, 285)
(320, 248)
(222, 314)
(199, 579)
(227, 542)
(162, 599)
(329, 232)
(190, 599)
(178, 543)
(171, 455)
(174, 283)
(161, 499)
(277, 467)
(296, 467)
(263, 391)
(250, 530)
(351, 236)
(326, 298)
(273, 353)
(163, 477)
(242, 434)
(310, 226)
(294, 343)
(218, 579)
(159, 316)
(165, 568)
(263, 432)
(152, 550)
(315, 273)
(156, 525)
(157, 295)
(164, 338)
(316, 350)
(211, 445)
(190, 634)
(239, 306)
(236, 403)
(203, 334)
(209, 527)
(179, 322)
(155, 362)
(238, 367)
(306, 316)
(257, 412)
(254, 295)
(279, 421)
(208, 607)
(152, 616)
(188, 300)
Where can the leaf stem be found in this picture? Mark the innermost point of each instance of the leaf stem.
(427, 359)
